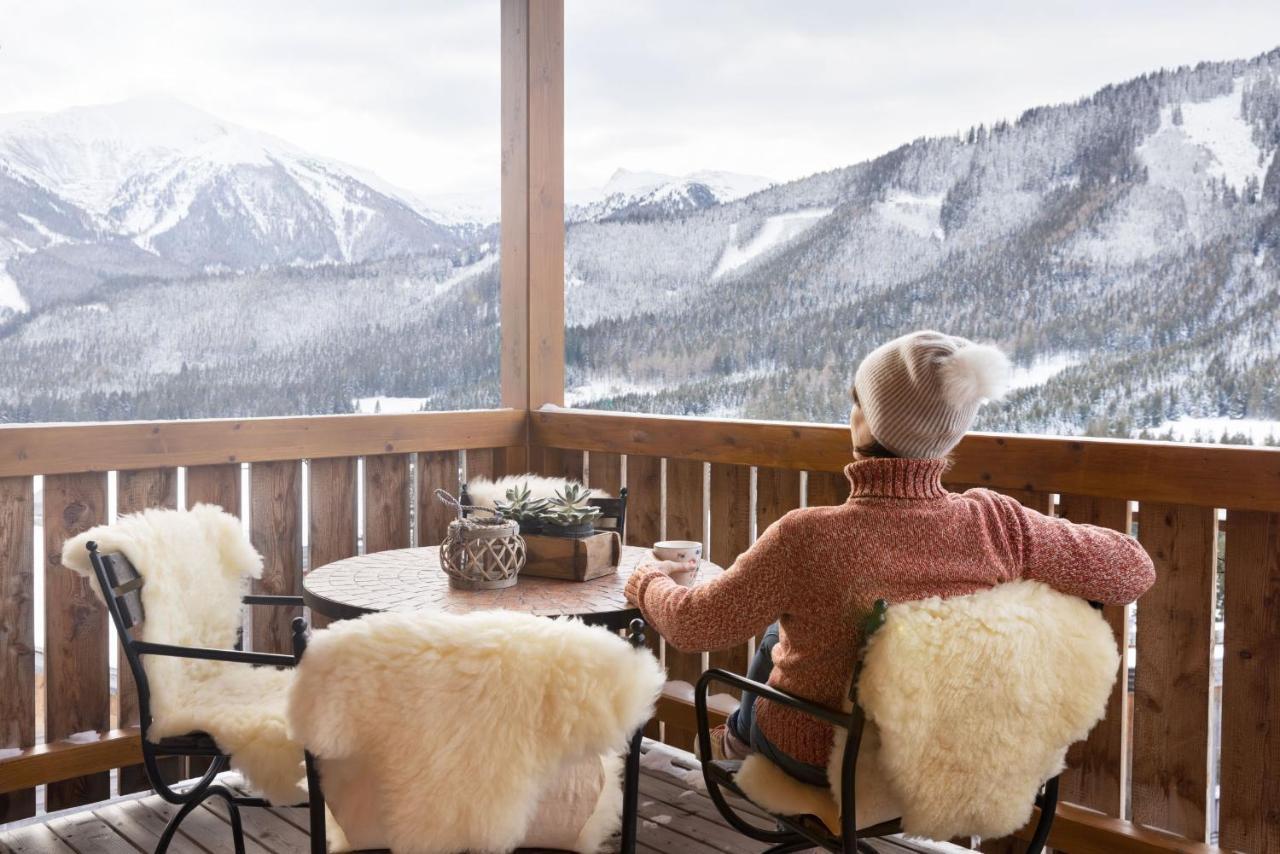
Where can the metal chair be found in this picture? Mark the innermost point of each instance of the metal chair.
(800, 833)
(613, 513)
(121, 586)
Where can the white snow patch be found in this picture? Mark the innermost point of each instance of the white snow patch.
(11, 298)
(464, 273)
(388, 405)
(1041, 370)
(921, 215)
(87, 736)
(1211, 428)
(775, 231)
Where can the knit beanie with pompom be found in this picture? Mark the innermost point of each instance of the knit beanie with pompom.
(921, 392)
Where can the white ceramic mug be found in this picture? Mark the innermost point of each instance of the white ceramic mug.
(680, 551)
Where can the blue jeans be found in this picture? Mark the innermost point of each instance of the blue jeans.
(743, 720)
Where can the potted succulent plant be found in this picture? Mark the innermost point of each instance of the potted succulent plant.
(569, 514)
(522, 509)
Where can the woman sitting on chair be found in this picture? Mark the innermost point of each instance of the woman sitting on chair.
(808, 581)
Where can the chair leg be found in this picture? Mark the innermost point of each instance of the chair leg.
(631, 772)
(237, 829)
(172, 827)
(790, 847)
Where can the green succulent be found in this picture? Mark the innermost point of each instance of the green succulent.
(570, 507)
(520, 507)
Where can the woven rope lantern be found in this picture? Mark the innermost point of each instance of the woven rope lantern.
(481, 552)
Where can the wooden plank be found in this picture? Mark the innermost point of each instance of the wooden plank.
(436, 470)
(684, 522)
(275, 528)
(204, 826)
(545, 200)
(138, 490)
(68, 448)
(480, 463)
(777, 494)
(558, 462)
(1083, 831)
(218, 485)
(36, 839)
(827, 488)
(1097, 768)
(332, 496)
(514, 224)
(1203, 475)
(1171, 694)
(77, 692)
(644, 528)
(62, 760)
(1249, 815)
(142, 826)
(17, 632)
(604, 471)
(266, 828)
(730, 537)
(88, 834)
(386, 502)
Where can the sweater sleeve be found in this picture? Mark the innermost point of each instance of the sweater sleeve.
(1093, 563)
(737, 605)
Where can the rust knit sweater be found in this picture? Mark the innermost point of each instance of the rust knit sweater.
(901, 536)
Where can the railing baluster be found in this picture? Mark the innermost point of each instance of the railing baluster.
(17, 632)
(77, 694)
(386, 502)
(275, 527)
(827, 488)
(1097, 773)
(730, 537)
(684, 522)
(644, 528)
(777, 494)
(216, 484)
(558, 462)
(480, 463)
(605, 471)
(1249, 819)
(331, 492)
(1171, 693)
(138, 490)
(436, 470)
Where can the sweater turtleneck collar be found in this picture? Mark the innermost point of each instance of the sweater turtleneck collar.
(896, 478)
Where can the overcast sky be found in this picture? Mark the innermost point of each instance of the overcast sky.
(782, 89)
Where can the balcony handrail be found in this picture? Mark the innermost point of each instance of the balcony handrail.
(43, 449)
(1231, 476)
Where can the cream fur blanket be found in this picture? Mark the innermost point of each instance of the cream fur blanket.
(971, 705)
(197, 564)
(484, 492)
(448, 732)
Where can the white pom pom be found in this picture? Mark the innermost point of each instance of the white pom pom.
(973, 374)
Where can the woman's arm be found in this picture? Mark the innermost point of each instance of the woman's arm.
(737, 605)
(1083, 560)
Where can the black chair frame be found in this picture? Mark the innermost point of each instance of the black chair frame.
(121, 586)
(630, 777)
(799, 833)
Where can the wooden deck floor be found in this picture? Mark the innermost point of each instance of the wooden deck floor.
(676, 818)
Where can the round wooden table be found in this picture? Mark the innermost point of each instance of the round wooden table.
(411, 580)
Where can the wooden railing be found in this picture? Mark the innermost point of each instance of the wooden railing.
(1150, 760)
(306, 479)
(722, 482)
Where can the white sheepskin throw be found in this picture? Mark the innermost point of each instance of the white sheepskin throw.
(456, 727)
(971, 703)
(977, 698)
(486, 493)
(197, 564)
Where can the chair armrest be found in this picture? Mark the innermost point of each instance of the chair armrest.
(278, 601)
(840, 719)
(235, 656)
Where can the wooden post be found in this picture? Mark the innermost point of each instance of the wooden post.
(532, 203)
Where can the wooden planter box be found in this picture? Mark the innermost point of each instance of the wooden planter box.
(572, 559)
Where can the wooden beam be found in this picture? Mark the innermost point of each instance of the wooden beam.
(1084, 831)
(63, 760)
(532, 263)
(1204, 475)
(67, 448)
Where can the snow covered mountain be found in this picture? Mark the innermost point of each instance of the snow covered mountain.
(186, 189)
(651, 195)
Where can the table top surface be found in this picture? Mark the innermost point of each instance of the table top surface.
(407, 580)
